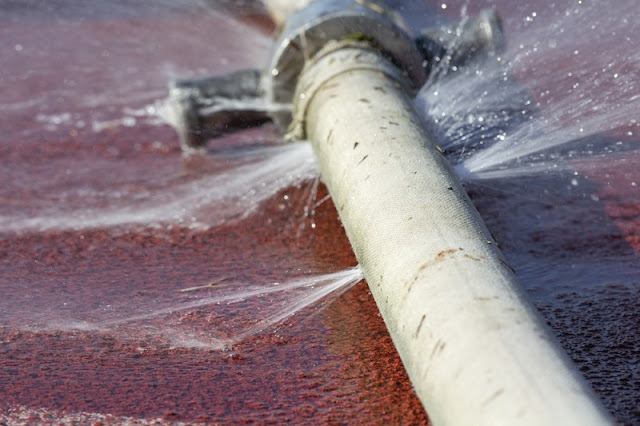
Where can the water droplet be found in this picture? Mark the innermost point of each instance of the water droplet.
(18, 47)
(129, 122)
(444, 6)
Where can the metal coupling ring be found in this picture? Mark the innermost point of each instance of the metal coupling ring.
(309, 29)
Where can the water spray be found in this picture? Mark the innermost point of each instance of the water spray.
(343, 74)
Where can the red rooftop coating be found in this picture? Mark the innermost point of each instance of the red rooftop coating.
(337, 366)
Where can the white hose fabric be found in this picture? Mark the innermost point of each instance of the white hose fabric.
(475, 349)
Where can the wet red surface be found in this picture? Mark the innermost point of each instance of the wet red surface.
(329, 368)
(580, 270)
(331, 365)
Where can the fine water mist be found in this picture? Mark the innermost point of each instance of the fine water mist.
(562, 97)
(249, 177)
(215, 315)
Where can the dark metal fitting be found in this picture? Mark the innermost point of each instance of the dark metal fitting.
(210, 107)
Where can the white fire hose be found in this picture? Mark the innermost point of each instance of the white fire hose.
(475, 349)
